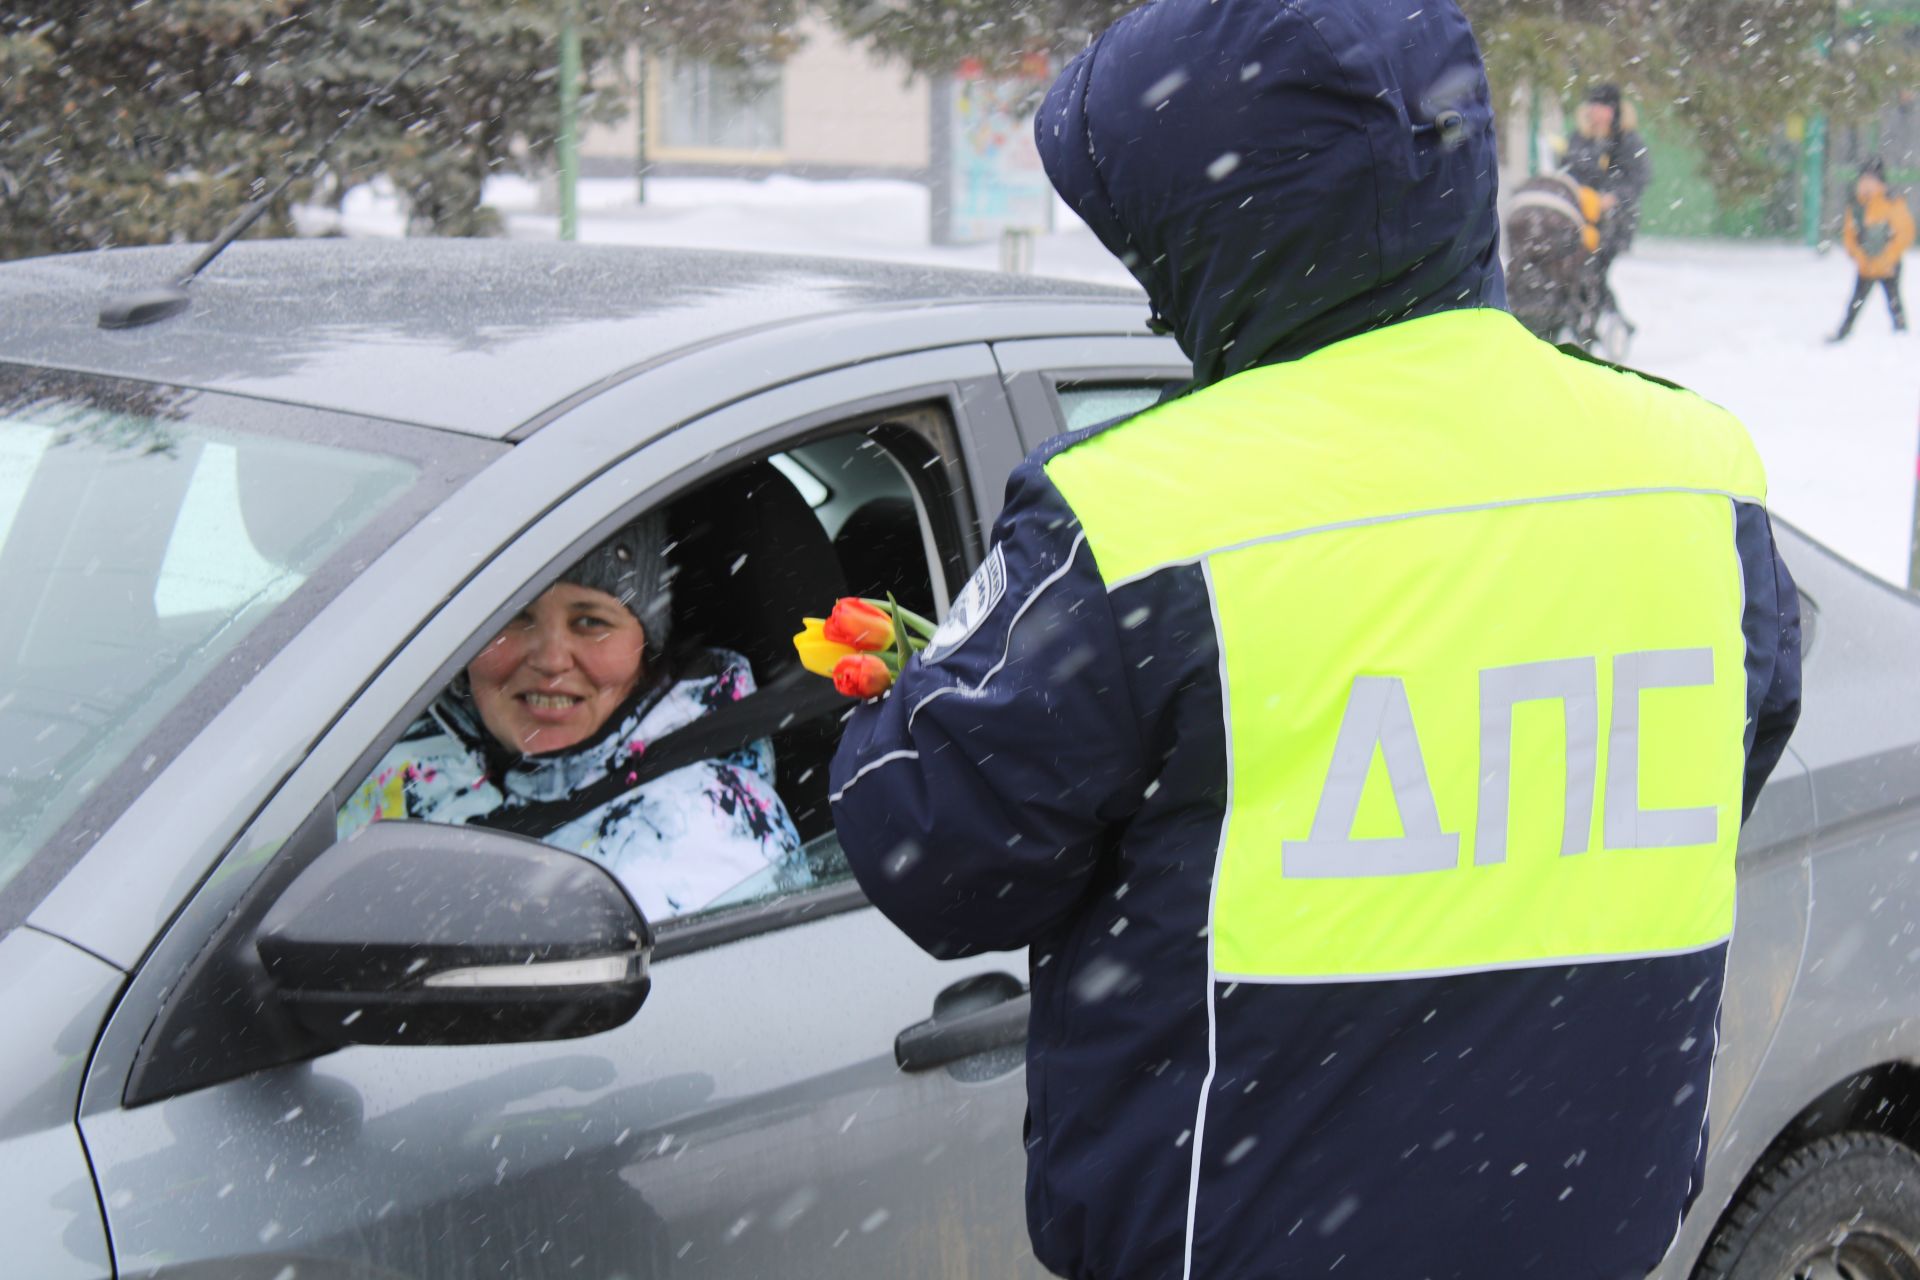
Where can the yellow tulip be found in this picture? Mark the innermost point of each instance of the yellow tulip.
(817, 653)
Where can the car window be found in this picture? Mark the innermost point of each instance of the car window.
(1088, 404)
(211, 564)
(144, 536)
(866, 509)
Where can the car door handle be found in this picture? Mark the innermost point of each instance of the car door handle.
(975, 1015)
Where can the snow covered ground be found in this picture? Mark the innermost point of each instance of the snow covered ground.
(1837, 425)
(1742, 324)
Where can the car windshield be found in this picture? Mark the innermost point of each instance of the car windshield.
(138, 549)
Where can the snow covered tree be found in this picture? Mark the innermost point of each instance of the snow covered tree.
(118, 124)
(935, 35)
(130, 121)
(1732, 70)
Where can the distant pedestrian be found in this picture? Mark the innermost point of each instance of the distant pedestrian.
(1879, 231)
(1608, 154)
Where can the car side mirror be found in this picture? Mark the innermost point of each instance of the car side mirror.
(420, 933)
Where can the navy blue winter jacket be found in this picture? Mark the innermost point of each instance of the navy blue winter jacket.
(1053, 774)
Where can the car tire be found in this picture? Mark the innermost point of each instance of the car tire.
(1845, 1207)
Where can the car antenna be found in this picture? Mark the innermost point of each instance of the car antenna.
(150, 306)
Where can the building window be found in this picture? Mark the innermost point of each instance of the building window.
(715, 108)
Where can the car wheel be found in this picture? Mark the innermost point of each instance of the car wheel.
(1842, 1208)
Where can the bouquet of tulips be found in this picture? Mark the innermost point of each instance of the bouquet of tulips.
(862, 644)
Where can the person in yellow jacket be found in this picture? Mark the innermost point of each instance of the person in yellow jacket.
(1879, 231)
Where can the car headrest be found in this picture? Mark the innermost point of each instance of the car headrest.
(287, 505)
(881, 550)
(751, 560)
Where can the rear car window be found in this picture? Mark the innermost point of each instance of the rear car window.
(1088, 404)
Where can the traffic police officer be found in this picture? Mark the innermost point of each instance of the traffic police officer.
(1359, 740)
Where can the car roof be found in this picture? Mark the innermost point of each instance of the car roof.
(475, 336)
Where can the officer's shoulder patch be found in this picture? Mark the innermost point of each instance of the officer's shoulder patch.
(971, 607)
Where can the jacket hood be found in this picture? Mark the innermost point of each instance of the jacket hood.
(1283, 174)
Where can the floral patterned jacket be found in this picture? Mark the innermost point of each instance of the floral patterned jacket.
(696, 837)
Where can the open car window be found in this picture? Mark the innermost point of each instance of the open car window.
(712, 802)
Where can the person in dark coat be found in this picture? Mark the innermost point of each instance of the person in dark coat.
(1341, 966)
(1608, 154)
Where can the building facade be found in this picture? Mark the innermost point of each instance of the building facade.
(830, 110)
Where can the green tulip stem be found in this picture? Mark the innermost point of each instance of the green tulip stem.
(902, 650)
(908, 616)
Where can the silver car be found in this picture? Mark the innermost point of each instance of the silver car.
(242, 547)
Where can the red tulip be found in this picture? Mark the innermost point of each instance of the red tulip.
(863, 626)
(862, 675)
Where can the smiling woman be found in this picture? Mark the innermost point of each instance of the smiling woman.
(541, 729)
(559, 669)
(567, 661)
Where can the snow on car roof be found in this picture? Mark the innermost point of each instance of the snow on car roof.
(476, 336)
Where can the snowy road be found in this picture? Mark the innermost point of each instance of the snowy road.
(1742, 324)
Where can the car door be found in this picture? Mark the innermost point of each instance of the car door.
(1859, 736)
(1819, 992)
(752, 1119)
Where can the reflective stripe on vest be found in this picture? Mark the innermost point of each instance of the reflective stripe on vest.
(1479, 613)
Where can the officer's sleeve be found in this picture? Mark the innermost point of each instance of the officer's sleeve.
(1772, 627)
(974, 800)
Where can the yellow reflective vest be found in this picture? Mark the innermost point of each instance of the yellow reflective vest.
(1484, 682)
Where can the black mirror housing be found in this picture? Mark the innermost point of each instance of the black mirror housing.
(418, 933)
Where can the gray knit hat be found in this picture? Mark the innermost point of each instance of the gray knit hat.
(632, 567)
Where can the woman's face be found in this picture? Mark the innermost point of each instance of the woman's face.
(551, 678)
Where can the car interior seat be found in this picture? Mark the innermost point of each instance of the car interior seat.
(751, 561)
(881, 550)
